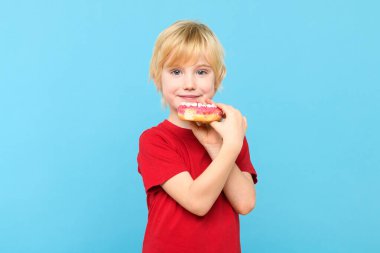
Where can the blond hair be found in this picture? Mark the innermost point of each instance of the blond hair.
(184, 42)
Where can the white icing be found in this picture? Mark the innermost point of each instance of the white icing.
(189, 104)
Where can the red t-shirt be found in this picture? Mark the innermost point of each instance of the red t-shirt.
(166, 150)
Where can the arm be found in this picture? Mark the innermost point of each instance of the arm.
(240, 191)
(239, 188)
(198, 196)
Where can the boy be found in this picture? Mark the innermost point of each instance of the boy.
(198, 178)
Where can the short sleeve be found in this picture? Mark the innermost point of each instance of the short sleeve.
(243, 161)
(157, 159)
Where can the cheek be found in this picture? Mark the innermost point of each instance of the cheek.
(166, 91)
(165, 83)
(168, 81)
(209, 86)
(163, 80)
(168, 88)
(210, 89)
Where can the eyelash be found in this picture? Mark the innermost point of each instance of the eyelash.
(175, 70)
(201, 72)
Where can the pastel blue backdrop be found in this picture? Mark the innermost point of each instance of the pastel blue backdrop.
(75, 96)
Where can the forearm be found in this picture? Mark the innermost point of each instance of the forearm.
(207, 187)
(198, 196)
(240, 190)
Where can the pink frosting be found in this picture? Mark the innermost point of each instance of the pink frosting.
(200, 110)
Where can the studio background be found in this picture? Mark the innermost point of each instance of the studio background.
(75, 96)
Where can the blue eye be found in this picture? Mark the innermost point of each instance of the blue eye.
(175, 72)
(202, 72)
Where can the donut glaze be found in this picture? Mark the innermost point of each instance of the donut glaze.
(198, 112)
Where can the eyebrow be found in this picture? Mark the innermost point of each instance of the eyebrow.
(203, 65)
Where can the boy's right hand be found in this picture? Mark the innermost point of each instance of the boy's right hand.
(232, 128)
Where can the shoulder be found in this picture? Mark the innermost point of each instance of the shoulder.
(149, 134)
(157, 136)
(155, 133)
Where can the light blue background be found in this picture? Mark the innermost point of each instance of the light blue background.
(75, 96)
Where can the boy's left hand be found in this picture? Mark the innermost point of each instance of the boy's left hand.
(208, 137)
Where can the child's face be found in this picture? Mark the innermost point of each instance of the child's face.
(190, 83)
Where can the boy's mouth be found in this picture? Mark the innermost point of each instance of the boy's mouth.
(190, 98)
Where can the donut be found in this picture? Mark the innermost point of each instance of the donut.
(198, 112)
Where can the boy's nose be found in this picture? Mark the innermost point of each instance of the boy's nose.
(189, 82)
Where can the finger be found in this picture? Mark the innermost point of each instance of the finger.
(203, 100)
(209, 101)
(216, 125)
(194, 126)
(225, 108)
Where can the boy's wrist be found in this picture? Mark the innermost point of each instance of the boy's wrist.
(232, 146)
(213, 150)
